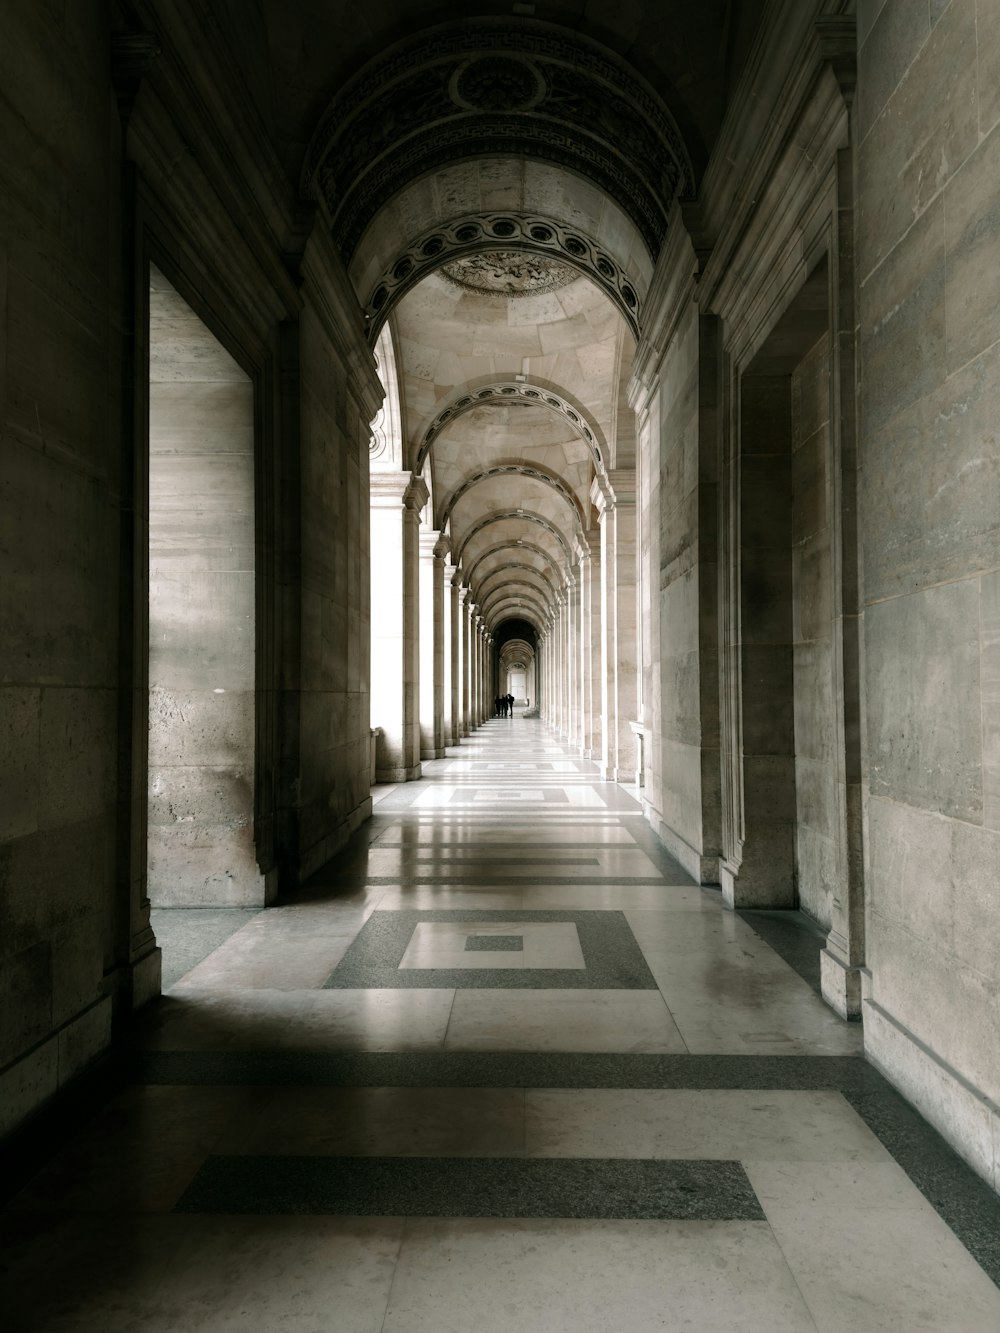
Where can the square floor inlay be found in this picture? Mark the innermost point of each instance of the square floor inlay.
(590, 950)
(437, 944)
(495, 943)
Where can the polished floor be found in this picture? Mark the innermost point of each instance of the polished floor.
(501, 1066)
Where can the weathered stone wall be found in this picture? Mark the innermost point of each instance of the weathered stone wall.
(201, 615)
(333, 787)
(929, 270)
(59, 488)
(816, 828)
(682, 779)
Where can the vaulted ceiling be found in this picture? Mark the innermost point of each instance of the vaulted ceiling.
(498, 179)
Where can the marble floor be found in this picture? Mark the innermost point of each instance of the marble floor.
(501, 1066)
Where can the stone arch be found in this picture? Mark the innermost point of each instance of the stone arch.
(514, 592)
(516, 570)
(514, 607)
(487, 87)
(514, 469)
(511, 393)
(516, 544)
(526, 516)
(509, 231)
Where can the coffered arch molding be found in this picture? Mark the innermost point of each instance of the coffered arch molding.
(515, 515)
(487, 87)
(509, 393)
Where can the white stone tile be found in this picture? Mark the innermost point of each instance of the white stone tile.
(868, 1252)
(547, 1276)
(269, 960)
(267, 1020)
(784, 1126)
(561, 1020)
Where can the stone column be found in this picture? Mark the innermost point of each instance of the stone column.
(455, 680)
(616, 511)
(575, 727)
(590, 586)
(464, 621)
(431, 647)
(447, 714)
(396, 501)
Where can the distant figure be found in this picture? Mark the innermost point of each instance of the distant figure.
(510, 701)
(496, 706)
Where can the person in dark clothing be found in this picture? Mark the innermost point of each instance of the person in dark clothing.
(510, 704)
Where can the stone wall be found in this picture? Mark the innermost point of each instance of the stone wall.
(59, 486)
(929, 273)
(681, 798)
(816, 829)
(333, 789)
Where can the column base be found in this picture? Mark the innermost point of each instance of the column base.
(840, 984)
(401, 774)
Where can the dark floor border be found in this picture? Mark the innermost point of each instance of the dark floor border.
(613, 959)
(635, 1188)
(964, 1201)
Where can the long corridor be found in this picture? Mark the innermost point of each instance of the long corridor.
(500, 1067)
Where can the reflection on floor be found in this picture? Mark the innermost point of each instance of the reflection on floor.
(501, 1066)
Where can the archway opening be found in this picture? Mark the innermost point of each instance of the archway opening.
(201, 757)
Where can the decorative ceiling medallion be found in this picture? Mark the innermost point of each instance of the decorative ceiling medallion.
(486, 89)
(509, 273)
(478, 234)
(496, 83)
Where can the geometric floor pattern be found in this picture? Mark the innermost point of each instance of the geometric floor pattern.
(500, 1065)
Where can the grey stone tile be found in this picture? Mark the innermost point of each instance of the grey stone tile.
(472, 1187)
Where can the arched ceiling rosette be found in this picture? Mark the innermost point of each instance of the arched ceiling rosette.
(488, 87)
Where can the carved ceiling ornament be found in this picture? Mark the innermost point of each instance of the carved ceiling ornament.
(489, 233)
(491, 89)
(508, 273)
(507, 394)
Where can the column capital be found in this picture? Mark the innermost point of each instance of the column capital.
(387, 490)
(443, 547)
(619, 491)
